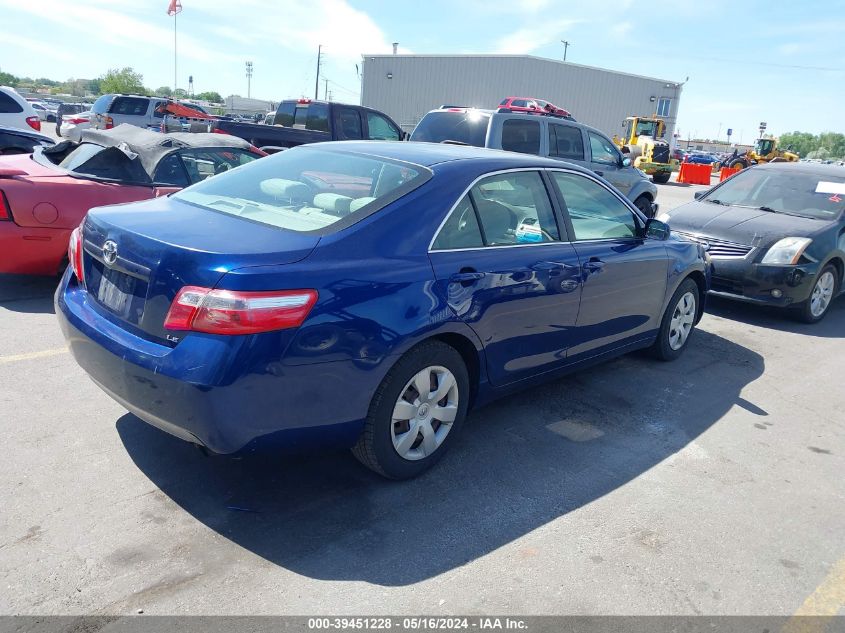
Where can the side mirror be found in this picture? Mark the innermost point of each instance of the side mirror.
(626, 162)
(698, 194)
(656, 229)
(405, 136)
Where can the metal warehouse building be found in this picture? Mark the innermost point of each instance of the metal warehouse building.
(408, 86)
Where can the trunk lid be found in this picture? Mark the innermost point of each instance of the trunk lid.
(26, 164)
(137, 256)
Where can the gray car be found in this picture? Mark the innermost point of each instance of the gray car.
(112, 110)
(542, 135)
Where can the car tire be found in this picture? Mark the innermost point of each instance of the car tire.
(662, 177)
(824, 291)
(678, 322)
(643, 203)
(385, 434)
(739, 162)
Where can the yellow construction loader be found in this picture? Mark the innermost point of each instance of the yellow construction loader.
(766, 150)
(645, 146)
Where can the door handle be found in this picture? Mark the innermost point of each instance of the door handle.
(594, 265)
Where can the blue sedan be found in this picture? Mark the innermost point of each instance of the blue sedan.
(367, 294)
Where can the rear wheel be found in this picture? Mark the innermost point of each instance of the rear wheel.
(415, 413)
(662, 177)
(739, 162)
(643, 203)
(678, 322)
(824, 291)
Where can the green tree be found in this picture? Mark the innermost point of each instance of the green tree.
(214, 97)
(123, 80)
(801, 142)
(8, 79)
(163, 91)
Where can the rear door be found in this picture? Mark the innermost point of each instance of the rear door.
(566, 142)
(509, 272)
(606, 161)
(347, 124)
(624, 275)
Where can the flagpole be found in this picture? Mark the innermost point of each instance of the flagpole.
(175, 72)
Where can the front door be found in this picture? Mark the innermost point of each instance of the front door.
(606, 161)
(624, 275)
(505, 267)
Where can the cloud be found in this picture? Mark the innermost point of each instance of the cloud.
(621, 29)
(790, 48)
(529, 39)
(38, 47)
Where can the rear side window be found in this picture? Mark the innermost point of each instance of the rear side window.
(465, 126)
(565, 141)
(130, 106)
(521, 136)
(460, 229)
(318, 117)
(101, 105)
(307, 188)
(350, 124)
(285, 114)
(8, 105)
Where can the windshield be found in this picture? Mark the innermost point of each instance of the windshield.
(307, 189)
(793, 192)
(646, 128)
(466, 126)
(764, 145)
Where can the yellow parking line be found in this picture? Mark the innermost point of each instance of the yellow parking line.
(825, 602)
(42, 354)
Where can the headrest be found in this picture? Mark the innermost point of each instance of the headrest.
(333, 202)
(281, 188)
(357, 203)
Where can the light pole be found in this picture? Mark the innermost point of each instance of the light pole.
(248, 79)
(565, 48)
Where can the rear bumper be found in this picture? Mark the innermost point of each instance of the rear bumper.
(32, 250)
(755, 283)
(206, 389)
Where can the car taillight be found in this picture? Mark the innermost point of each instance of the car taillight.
(76, 121)
(5, 211)
(236, 312)
(109, 122)
(34, 122)
(74, 254)
(219, 131)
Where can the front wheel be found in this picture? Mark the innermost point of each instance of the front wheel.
(824, 291)
(643, 203)
(662, 177)
(739, 162)
(416, 412)
(678, 322)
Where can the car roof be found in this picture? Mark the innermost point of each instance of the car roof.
(817, 169)
(431, 154)
(516, 113)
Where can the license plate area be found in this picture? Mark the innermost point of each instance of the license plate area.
(116, 290)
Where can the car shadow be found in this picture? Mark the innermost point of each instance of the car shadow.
(27, 293)
(832, 326)
(520, 463)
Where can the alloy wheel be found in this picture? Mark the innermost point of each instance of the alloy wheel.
(822, 294)
(683, 318)
(424, 413)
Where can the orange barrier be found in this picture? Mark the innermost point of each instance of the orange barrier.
(727, 172)
(693, 174)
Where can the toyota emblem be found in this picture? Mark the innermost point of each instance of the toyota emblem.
(110, 252)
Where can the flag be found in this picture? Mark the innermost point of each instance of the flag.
(174, 8)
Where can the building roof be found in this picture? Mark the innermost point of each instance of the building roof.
(671, 82)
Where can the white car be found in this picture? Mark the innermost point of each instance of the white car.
(15, 111)
(43, 110)
(73, 124)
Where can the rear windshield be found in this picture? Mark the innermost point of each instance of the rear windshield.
(784, 191)
(468, 127)
(307, 189)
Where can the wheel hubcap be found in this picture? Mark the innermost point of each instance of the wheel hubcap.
(822, 294)
(424, 413)
(682, 321)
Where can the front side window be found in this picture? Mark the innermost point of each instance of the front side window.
(202, 163)
(307, 188)
(380, 128)
(521, 136)
(603, 150)
(565, 142)
(595, 213)
(170, 172)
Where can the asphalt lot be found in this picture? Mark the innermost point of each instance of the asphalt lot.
(710, 485)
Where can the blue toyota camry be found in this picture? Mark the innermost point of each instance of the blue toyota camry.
(367, 294)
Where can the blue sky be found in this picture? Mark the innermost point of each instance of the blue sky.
(749, 61)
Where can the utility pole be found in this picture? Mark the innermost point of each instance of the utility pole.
(565, 48)
(248, 79)
(317, 82)
(326, 91)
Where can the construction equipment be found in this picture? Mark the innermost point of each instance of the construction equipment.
(766, 150)
(645, 146)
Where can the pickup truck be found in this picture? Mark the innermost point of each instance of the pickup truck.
(302, 121)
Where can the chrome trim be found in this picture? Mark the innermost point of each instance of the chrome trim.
(121, 263)
(588, 175)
